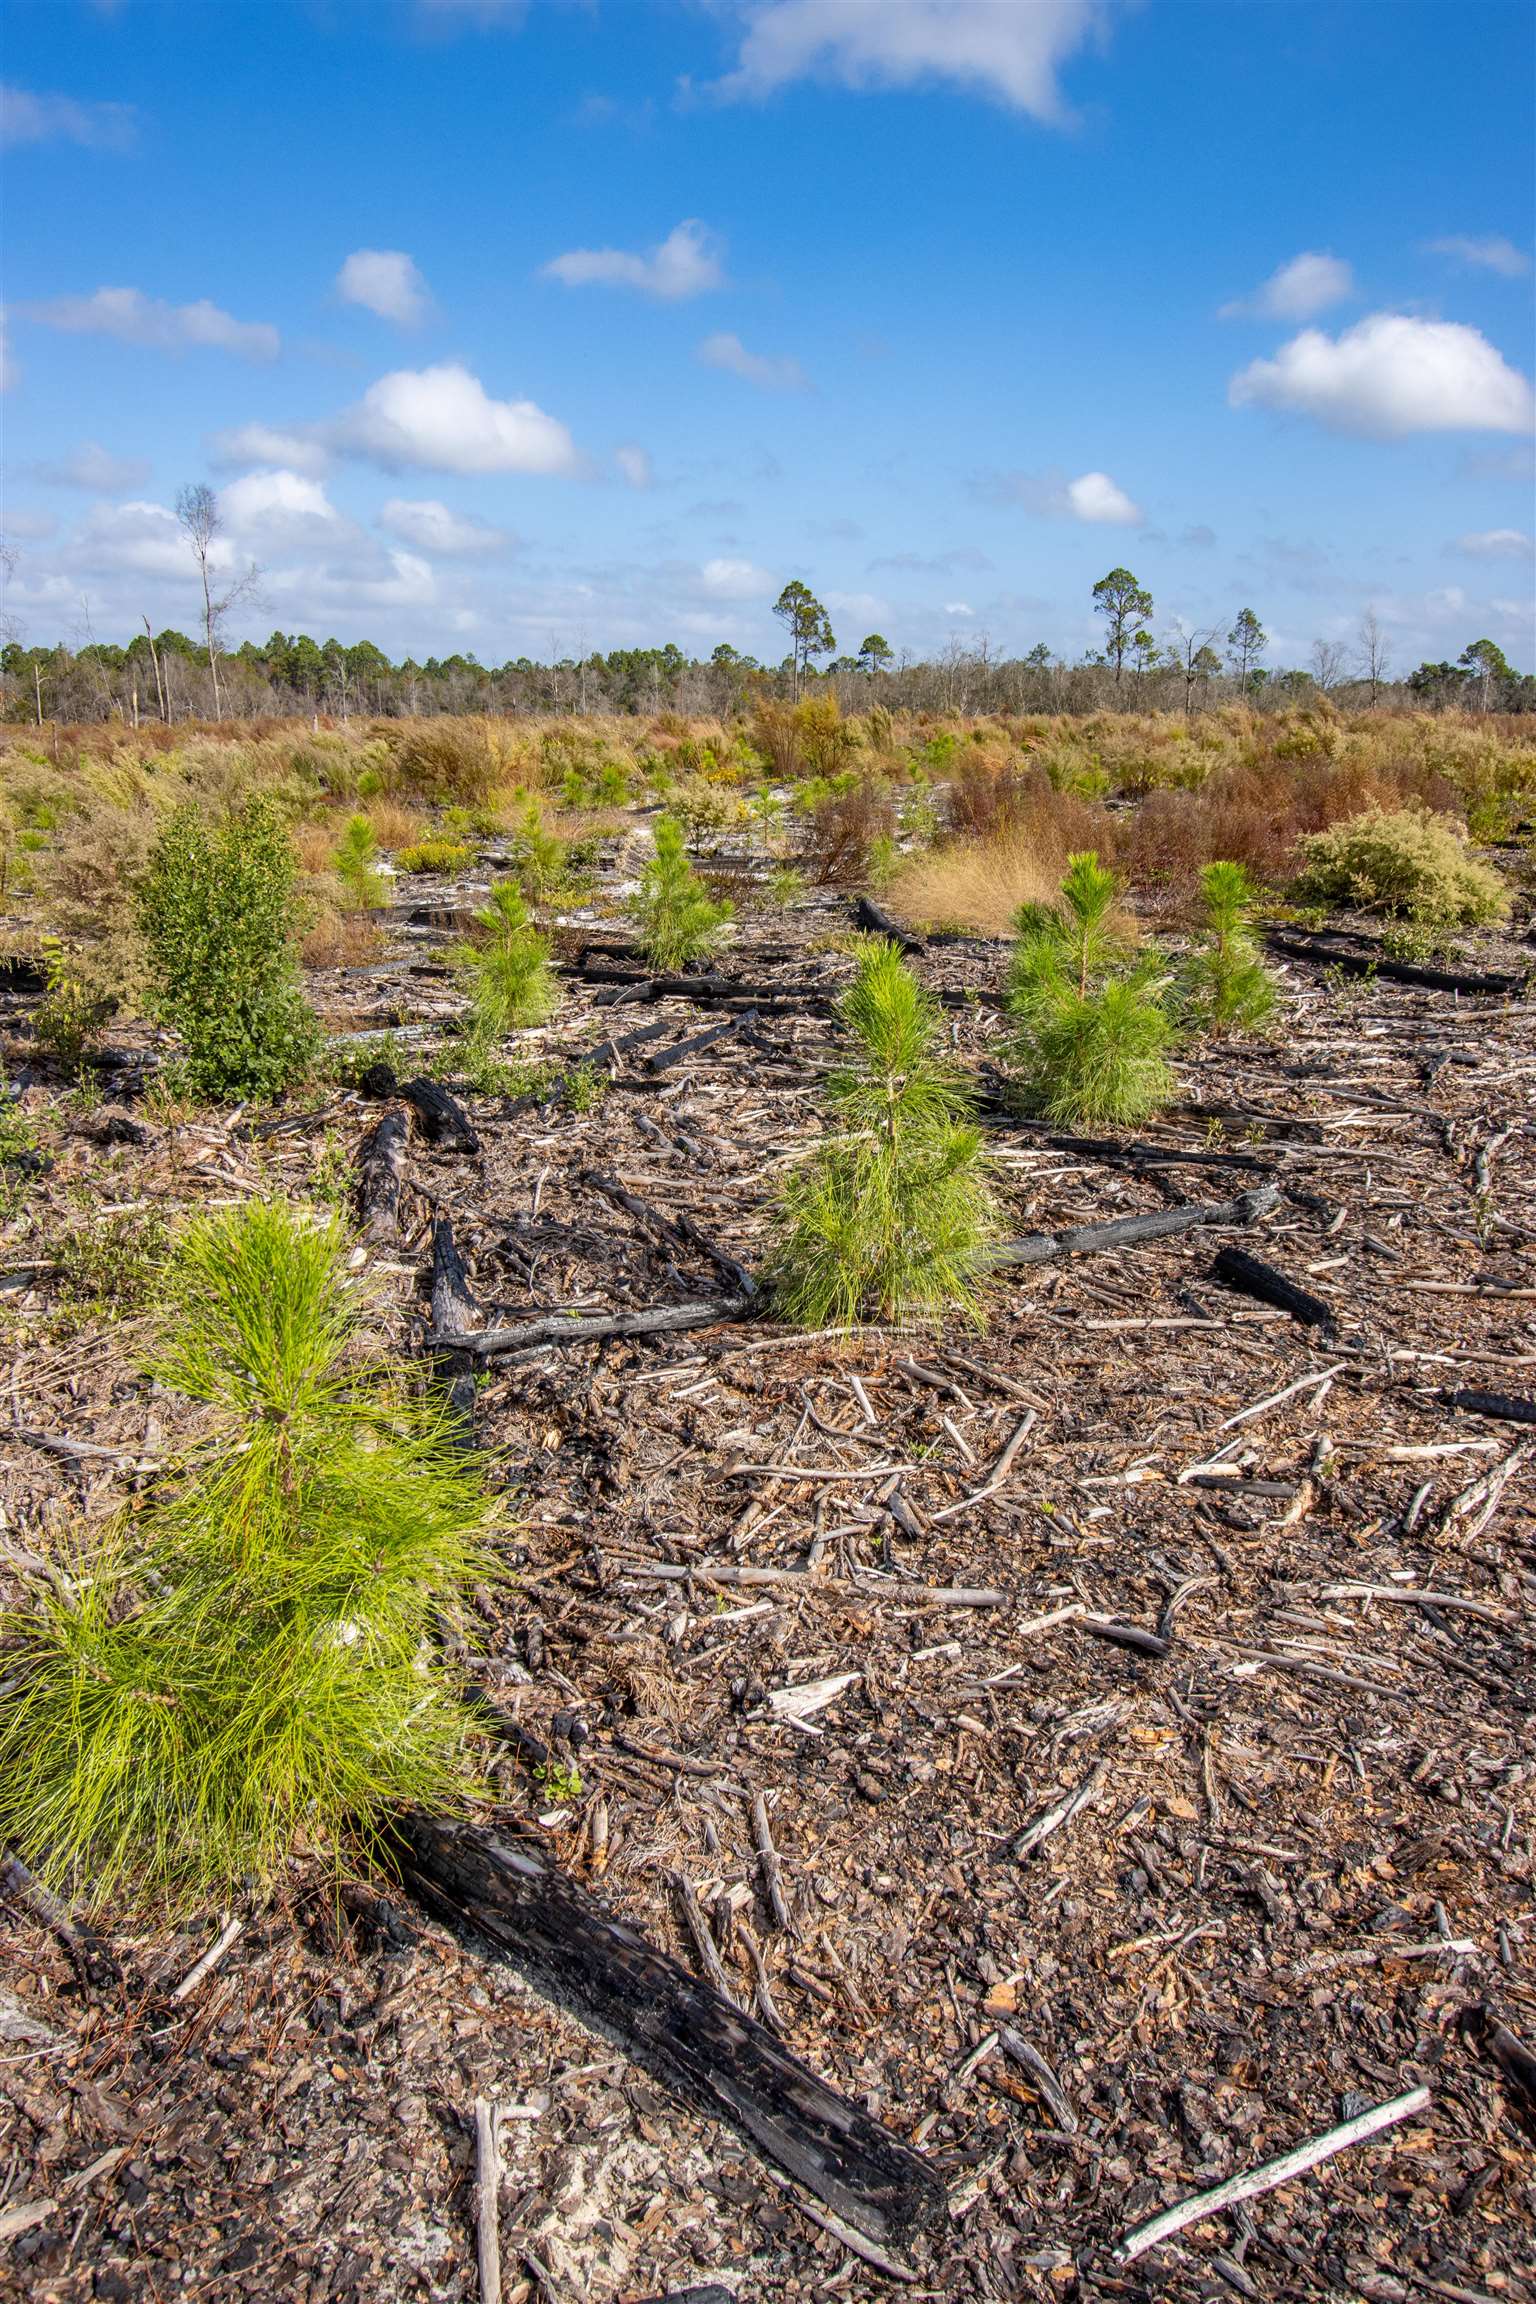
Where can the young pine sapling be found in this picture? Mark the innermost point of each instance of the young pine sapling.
(1090, 1029)
(889, 1215)
(677, 917)
(1227, 987)
(511, 983)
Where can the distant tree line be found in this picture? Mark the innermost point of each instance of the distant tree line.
(168, 676)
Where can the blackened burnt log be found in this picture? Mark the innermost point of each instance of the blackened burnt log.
(381, 1176)
(1131, 1231)
(500, 1889)
(681, 1228)
(441, 1118)
(1363, 959)
(593, 1328)
(1508, 1407)
(1234, 1268)
(876, 921)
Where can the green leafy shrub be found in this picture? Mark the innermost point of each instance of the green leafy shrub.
(355, 862)
(251, 1659)
(891, 1213)
(511, 984)
(1227, 987)
(435, 855)
(1406, 862)
(218, 913)
(677, 918)
(1090, 1028)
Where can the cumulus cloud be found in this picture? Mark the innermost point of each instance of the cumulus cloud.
(1497, 544)
(736, 580)
(635, 465)
(431, 527)
(1301, 289)
(142, 538)
(1092, 497)
(27, 117)
(442, 419)
(94, 467)
(134, 318)
(277, 510)
(1009, 53)
(689, 262)
(771, 375)
(1492, 253)
(1095, 498)
(385, 281)
(267, 444)
(1391, 374)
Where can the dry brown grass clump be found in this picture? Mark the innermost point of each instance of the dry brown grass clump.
(975, 884)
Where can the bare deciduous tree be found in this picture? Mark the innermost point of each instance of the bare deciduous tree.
(197, 508)
(1373, 656)
(1330, 662)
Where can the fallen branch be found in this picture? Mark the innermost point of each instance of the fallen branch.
(681, 1228)
(381, 1176)
(441, 1117)
(1323, 951)
(665, 1058)
(1273, 2172)
(500, 1887)
(487, 2199)
(876, 921)
(1507, 1408)
(1132, 1231)
(589, 1328)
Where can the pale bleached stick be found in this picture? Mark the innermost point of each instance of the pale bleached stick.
(209, 1960)
(487, 2197)
(1302, 1384)
(1272, 2173)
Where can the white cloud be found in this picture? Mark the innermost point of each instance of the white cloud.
(687, 263)
(997, 48)
(385, 281)
(1301, 289)
(134, 318)
(736, 580)
(958, 608)
(1096, 498)
(1389, 375)
(728, 352)
(1493, 253)
(431, 527)
(1497, 544)
(443, 420)
(278, 510)
(635, 464)
(29, 118)
(94, 467)
(145, 539)
(267, 444)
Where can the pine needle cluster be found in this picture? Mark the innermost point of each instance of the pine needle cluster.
(1091, 1032)
(677, 917)
(1227, 988)
(510, 979)
(355, 861)
(539, 860)
(250, 1662)
(889, 1215)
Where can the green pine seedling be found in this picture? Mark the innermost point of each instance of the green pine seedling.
(891, 1213)
(251, 1662)
(355, 862)
(1227, 987)
(538, 855)
(511, 983)
(677, 917)
(1091, 1032)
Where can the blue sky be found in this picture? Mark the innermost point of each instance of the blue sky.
(520, 328)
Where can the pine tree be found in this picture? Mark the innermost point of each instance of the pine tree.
(511, 984)
(1090, 1027)
(677, 917)
(1227, 986)
(252, 1657)
(890, 1214)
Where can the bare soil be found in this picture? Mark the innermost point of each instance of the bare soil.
(1299, 1860)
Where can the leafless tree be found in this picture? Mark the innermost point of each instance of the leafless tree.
(1373, 656)
(1330, 663)
(197, 508)
(1195, 653)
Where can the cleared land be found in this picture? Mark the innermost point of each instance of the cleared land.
(1136, 1697)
